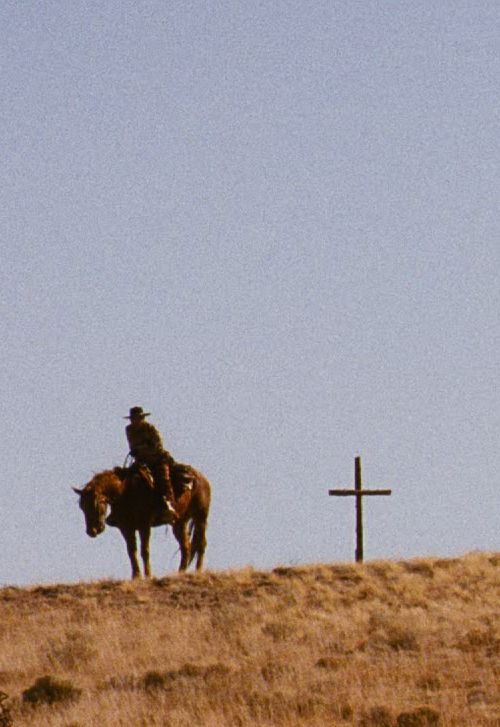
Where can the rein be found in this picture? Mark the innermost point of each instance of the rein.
(127, 459)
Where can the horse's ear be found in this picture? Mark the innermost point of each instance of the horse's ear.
(78, 492)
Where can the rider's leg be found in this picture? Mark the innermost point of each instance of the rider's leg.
(163, 486)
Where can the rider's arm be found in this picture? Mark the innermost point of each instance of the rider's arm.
(154, 438)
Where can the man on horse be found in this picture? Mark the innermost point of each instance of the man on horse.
(146, 447)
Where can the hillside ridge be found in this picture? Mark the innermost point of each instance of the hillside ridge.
(424, 565)
(320, 644)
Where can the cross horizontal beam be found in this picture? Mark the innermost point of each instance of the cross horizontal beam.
(346, 493)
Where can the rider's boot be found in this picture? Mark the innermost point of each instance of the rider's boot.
(165, 508)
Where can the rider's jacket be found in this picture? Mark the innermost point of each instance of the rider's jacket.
(144, 441)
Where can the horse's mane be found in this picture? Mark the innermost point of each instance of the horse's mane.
(102, 480)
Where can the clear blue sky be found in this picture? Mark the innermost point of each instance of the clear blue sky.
(275, 226)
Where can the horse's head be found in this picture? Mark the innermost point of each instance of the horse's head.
(94, 506)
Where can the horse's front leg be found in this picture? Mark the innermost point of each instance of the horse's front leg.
(130, 539)
(181, 534)
(145, 535)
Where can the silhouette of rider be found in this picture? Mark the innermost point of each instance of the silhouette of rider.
(146, 447)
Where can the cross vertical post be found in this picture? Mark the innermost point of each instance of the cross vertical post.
(358, 493)
(359, 510)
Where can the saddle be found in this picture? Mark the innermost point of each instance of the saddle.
(181, 475)
(143, 472)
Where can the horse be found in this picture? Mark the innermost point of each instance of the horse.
(132, 495)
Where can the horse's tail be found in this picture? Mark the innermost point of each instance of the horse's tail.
(197, 532)
(193, 531)
(200, 506)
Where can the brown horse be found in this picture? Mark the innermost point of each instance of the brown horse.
(132, 495)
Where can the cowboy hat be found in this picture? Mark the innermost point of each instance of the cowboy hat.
(136, 411)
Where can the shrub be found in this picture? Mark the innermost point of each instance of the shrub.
(47, 690)
(429, 682)
(273, 671)
(155, 680)
(328, 662)
(346, 712)
(377, 717)
(278, 631)
(421, 717)
(400, 639)
(5, 716)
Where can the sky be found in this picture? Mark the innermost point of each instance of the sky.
(274, 225)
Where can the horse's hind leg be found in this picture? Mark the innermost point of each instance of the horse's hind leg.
(181, 534)
(131, 541)
(145, 534)
(199, 543)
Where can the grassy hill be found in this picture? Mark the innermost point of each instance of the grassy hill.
(403, 644)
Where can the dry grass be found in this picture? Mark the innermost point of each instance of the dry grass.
(409, 644)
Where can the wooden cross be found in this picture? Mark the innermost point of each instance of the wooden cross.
(358, 493)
